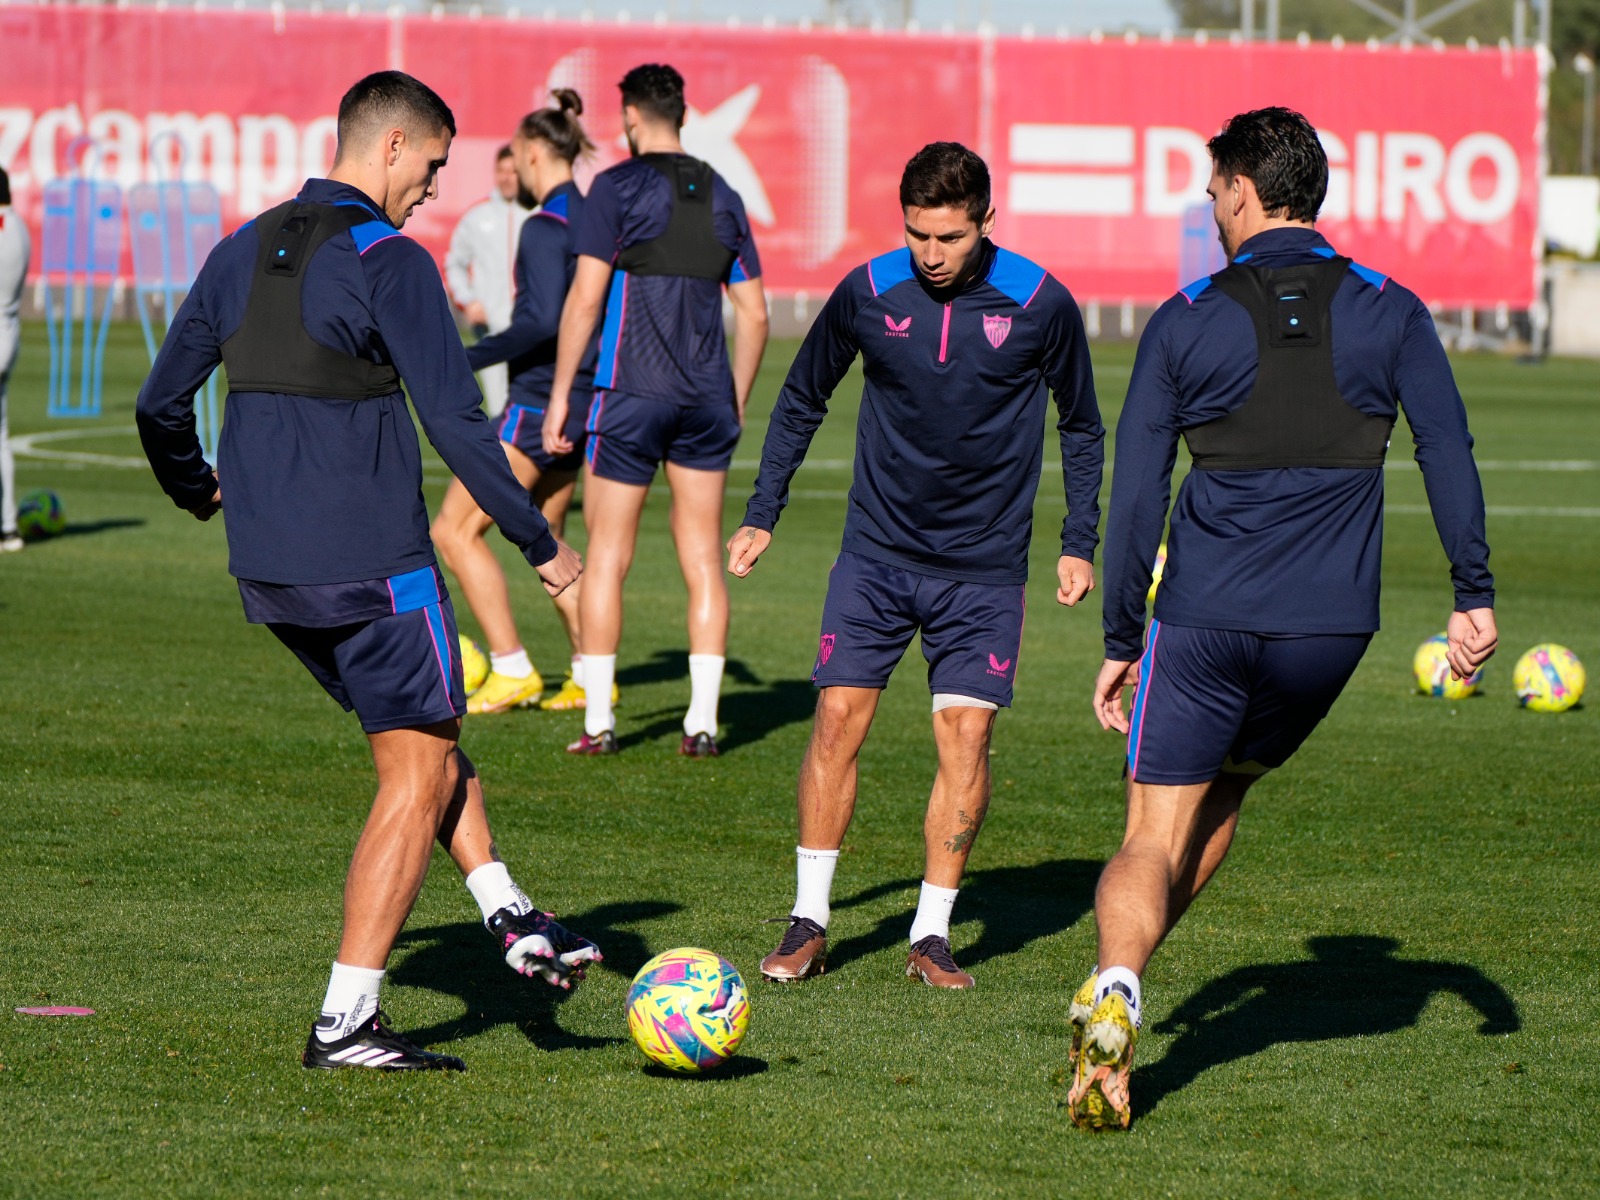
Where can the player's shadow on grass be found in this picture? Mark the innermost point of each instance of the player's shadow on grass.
(747, 716)
(1015, 906)
(460, 960)
(77, 528)
(1352, 986)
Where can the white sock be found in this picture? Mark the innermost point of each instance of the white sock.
(491, 886)
(598, 672)
(933, 912)
(351, 1000)
(516, 665)
(814, 882)
(1129, 988)
(705, 687)
(577, 669)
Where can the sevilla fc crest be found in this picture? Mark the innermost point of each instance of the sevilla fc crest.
(824, 649)
(996, 329)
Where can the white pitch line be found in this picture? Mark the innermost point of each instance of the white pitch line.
(27, 446)
(1501, 510)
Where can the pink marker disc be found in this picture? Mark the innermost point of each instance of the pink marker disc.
(57, 1010)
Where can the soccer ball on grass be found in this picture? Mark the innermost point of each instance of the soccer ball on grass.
(687, 1010)
(1548, 679)
(40, 515)
(1432, 669)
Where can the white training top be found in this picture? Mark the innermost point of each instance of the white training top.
(15, 248)
(483, 250)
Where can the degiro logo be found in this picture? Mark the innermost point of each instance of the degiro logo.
(1158, 171)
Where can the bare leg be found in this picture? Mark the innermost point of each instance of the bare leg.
(458, 531)
(465, 832)
(1176, 838)
(697, 532)
(418, 778)
(828, 773)
(553, 492)
(960, 792)
(611, 512)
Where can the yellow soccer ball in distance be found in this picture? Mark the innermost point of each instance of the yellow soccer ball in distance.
(1432, 670)
(1549, 678)
(474, 664)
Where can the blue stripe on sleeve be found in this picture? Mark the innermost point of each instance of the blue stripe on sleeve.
(888, 270)
(370, 233)
(414, 590)
(1017, 277)
(1192, 292)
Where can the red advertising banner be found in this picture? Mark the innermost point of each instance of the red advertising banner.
(1097, 148)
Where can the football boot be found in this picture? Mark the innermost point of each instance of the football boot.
(377, 1046)
(1099, 1095)
(931, 961)
(802, 952)
(605, 742)
(536, 944)
(501, 693)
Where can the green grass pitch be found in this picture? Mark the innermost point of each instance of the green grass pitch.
(1389, 990)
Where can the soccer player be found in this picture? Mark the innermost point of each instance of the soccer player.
(319, 308)
(661, 236)
(478, 267)
(960, 340)
(547, 143)
(1284, 374)
(15, 249)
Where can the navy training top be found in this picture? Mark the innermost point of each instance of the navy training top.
(662, 336)
(547, 257)
(1293, 550)
(950, 437)
(323, 491)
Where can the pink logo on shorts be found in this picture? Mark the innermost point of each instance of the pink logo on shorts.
(824, 649)
(996, 329)
(896, 328)
(996, 667)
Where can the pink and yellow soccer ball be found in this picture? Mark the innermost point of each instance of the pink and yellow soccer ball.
(1549, 678)
(474, 664)
(1432, 670)
(688, 1010)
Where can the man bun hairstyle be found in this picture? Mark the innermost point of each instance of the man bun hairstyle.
(388, 100)
(657, 90)
(1277, 149)
(946, 175)
(558, 127)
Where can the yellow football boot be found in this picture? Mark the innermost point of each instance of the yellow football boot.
(1078, 1017)
(500, 693)
(1099, 1095)
(570, 696)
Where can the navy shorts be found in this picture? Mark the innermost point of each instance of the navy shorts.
(1213, 700)
(522, 426)
(630, 436)
(394, 671)
(970, 631)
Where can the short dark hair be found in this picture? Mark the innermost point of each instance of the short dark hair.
(5, 187)
(657, 89)
(558, 127)
(946, 175)
(1277, 150)
(502, 154)
(391, 96)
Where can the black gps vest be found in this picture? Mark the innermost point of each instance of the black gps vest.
(1295, 415)
(689, 246)
(271, 350)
